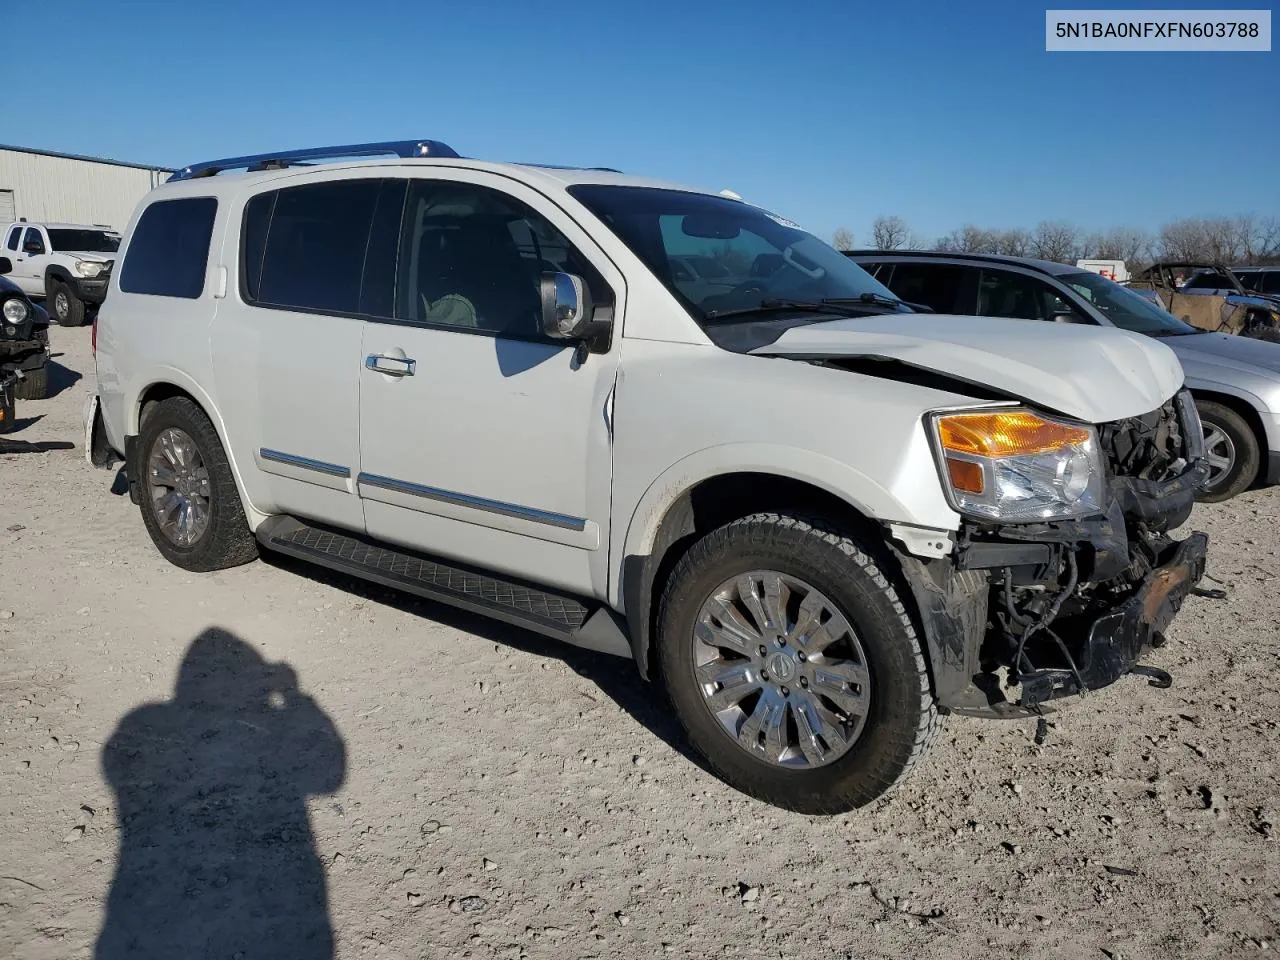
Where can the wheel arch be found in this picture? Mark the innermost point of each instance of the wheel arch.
(1242, 405)
(56, 271)
(676, 511)
(174, 383)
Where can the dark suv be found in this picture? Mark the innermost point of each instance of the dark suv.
(24, 342)
(1235, 380)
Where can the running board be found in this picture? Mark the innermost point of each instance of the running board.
(551, 614)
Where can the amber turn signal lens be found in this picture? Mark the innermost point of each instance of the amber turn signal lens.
(965, 475)
(1006, 434)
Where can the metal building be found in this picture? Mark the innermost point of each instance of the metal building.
(39, 185)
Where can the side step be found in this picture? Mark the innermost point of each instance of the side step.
(552, 614)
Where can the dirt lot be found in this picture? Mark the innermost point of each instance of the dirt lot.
(447, 787)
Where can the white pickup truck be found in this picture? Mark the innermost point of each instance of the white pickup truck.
(68, 264)
(822, 520)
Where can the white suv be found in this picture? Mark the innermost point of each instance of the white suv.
(68, 264)
(822, 520)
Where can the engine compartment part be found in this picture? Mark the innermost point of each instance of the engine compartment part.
(1022, 614)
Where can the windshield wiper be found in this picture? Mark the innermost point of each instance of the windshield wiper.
(877, 298)
(838, 306)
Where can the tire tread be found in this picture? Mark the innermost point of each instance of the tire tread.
(782, 531)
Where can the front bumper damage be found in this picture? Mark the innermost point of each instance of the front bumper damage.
(1022, 614)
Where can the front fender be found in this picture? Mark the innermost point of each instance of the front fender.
(864, 494)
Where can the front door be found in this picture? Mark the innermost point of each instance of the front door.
(28, 265)
(480, 438)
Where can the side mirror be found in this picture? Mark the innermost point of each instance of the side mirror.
(1066, 316)
(6, 266)
(567, 310)
(32, 249)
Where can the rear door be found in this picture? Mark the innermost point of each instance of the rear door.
(286, 342)
(944, 287)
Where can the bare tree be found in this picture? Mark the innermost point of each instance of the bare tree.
(889, 233)
(842, 239)
(1055, 240)
(1120, 243)
(1012, 243)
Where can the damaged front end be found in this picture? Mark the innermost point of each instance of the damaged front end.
(1023, 613)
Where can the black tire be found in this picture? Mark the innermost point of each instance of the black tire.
(68, 310)
(902, 720)
(1246, 456)
(226, 541)
(35, 383)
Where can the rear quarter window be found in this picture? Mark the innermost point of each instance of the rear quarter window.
(168, 253)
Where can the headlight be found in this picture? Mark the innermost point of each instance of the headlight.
(15, 310)
(1014, 465)
(88, 269)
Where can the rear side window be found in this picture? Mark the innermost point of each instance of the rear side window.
(304, 247)
(14, 234)
(168, 253)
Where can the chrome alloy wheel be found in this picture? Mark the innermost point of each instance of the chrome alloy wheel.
(1220, 453)
(781, 669)
(178, 482)
(62, 305)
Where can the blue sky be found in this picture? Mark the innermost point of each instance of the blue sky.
(827, 112)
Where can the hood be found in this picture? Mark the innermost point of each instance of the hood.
(1092, 373)
(1255, 300)
(1228, 351)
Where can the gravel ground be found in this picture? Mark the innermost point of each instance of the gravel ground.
(441, 786)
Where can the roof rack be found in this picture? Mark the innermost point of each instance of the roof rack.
(561, 166)
(406, 149)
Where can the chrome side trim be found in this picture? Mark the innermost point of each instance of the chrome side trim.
(306, 463)
(477, 503)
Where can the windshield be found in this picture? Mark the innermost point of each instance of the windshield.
(1124, 308)
(85, 241)
(719, 256)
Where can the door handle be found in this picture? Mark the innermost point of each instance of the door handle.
(392, 366)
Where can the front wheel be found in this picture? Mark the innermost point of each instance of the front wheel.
(190, 504)
(68, 309)
(794, 666)
(1232, 452)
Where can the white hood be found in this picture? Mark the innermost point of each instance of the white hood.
(89, 256)
(1092, 373)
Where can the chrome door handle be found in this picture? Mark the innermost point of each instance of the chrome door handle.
(392, 366)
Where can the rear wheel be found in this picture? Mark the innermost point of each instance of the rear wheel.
(66, 307)
(1232, 452)
(793, 665)
(190, 504)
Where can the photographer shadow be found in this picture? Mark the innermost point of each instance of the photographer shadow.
(216, 852)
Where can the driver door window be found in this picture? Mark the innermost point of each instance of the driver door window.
(472, 259)
(33, 243)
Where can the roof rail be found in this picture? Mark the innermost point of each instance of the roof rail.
(561, 166)
(405, 149)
